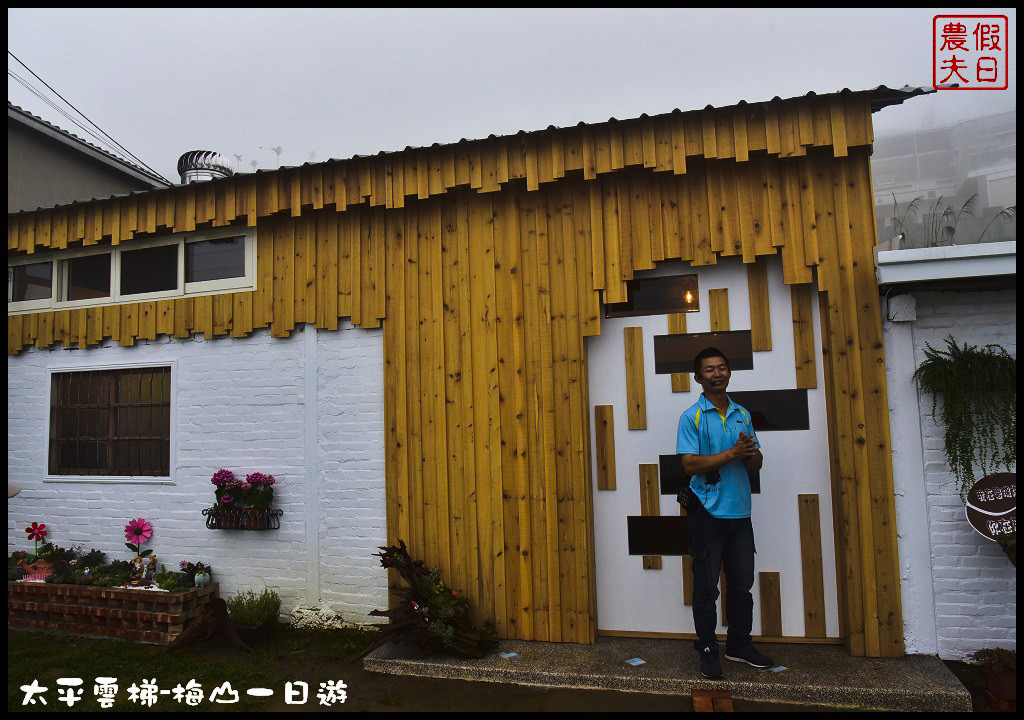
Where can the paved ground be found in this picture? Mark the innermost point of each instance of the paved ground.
(819, 675)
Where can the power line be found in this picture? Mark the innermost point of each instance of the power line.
(101, 130)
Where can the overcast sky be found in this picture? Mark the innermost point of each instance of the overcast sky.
(323, 84)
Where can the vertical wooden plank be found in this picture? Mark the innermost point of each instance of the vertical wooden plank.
(223, 308)
(182, 319)
(357, 258)
(677, 326)
(344, 222)
(636, 396)
(511, 368)
(778, 219)
(650, 506)
(803, 337)
(856, 226)
(723, 207)
(147, 321)
(750, 220)
(701, 216)
(414, 308)
(531, 512)
(718, 301)
(771, 604)
(678, 128)
(654, 214)
(15, 327)
(626, 230)
(614, 287)
(568, 412)
(396, 417)
(672, 217)
(453, 317)
(478, 292)
(810, 556)
(300, 264)
(760, 315)
(707, 121)
(604, 431)
(739, 133)
(284, 285)
(640, 225)
(837, 117)
(546, 496)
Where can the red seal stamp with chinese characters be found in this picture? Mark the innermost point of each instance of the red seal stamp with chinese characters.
(970, 52)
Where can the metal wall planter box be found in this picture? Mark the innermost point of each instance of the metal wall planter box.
(144, 615)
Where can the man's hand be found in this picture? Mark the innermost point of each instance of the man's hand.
(744, 449)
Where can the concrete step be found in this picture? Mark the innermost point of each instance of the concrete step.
(824, 675)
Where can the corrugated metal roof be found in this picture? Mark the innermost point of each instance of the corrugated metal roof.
(882, 96)
(24, 116)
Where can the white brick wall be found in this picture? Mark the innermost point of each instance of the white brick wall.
(974, 587)
(239, 404)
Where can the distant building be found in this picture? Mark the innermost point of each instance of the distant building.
(944, 167)
(47, 166)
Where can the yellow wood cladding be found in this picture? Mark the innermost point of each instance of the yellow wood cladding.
(486, 293)
(662, 143)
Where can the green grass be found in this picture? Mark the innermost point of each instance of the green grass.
(48, 656)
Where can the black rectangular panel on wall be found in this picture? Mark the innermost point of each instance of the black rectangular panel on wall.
(775, 409)
(673, 477)
(660, 535)
(675, 353)
(657, 296)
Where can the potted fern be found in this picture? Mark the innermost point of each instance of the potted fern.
(979, 406)
(254, 615)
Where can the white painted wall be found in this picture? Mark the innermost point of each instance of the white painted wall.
(308, 409)
(631, 598)
(959, 590)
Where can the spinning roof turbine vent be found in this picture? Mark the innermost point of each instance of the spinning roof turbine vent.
(200, 165)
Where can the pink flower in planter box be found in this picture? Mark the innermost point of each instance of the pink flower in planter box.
(140, 531)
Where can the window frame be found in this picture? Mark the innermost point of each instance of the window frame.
(111, 479)
(59, 272)
(32, 305)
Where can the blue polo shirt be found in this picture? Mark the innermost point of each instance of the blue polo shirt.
(703, 431)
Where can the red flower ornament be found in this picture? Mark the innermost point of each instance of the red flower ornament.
(37, 532)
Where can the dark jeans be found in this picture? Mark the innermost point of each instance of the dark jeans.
(714, 542)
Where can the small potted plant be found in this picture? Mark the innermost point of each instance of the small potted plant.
(254, 615)
(1001, 666)
(198, 574)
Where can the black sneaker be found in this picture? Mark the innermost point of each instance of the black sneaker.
(751, 657)
(710, 667)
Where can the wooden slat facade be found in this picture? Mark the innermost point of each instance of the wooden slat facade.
(486, 262)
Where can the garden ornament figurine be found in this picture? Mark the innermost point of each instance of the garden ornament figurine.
(151, 571)
(137, 573)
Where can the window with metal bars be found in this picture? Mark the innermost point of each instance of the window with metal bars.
(111, 422)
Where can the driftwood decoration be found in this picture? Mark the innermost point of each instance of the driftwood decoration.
(213, 620)
(428, 612)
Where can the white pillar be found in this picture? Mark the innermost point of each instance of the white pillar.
(916, 586)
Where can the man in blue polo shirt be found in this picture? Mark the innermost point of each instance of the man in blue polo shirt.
(718, 444)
